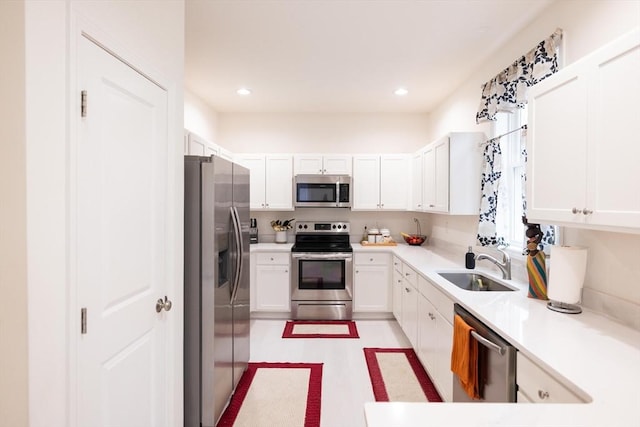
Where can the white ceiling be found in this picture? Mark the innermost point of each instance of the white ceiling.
(341, 55)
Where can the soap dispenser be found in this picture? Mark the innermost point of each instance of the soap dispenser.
(470, 259)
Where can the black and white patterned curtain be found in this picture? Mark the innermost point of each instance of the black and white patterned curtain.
(490, 187)
(508, 90)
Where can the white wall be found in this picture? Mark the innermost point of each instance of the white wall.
(200, 118)
(322, 132)
(587, 25)
(13, 229)
(150, 32)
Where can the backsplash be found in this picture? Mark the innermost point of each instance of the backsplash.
(611, 283)
(396, 222)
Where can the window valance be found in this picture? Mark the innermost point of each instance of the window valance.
(508, 90)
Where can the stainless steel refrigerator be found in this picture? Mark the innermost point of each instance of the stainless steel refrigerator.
(216, 285)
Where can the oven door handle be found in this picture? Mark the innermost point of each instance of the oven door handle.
(320, 255)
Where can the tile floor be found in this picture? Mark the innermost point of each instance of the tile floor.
(345, 379)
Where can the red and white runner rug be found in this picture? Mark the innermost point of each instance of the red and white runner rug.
(398, 376)
(320, 329)
(276, 394)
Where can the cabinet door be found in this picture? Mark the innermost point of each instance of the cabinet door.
(366, 183)
(396, 290)
(441, 154)
(272, 288)
(443, 345)
(614, 91)
(416, 182)
(556, 144)
(394, 182)
(307, 164)
(256, 165)
(279, 182)
(427, 336)
(197, 146)
(410, 313)
(337, 164)
(429, 178)
(372, 290)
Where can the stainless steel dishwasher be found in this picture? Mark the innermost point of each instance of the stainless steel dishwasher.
(496, 364)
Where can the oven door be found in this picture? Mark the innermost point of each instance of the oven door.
(322, 276)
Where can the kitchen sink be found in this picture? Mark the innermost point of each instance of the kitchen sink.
(475, 282)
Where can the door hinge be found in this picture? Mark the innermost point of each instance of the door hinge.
(83, 103)
(83, 320)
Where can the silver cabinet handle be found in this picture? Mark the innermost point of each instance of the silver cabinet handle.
(575, 211)
(407, 289)
(543, 394)
(586, 211)
(165, 304)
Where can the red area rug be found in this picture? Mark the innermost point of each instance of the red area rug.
(276, 394)
(398, 376)
(320, 329)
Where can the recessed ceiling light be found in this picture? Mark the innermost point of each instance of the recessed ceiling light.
(243, 91)
(401, 91)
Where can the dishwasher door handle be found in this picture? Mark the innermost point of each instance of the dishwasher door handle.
(485, 342)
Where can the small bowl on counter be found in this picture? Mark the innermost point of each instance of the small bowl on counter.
(414, 239)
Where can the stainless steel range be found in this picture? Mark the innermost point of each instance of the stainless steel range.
(322, 271)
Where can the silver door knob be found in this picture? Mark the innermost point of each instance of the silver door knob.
(586, 211)
(165, 304)
(575, 211)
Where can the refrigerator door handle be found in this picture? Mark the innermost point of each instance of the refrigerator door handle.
(237, 231)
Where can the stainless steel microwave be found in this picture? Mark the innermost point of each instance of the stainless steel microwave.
(322, 191)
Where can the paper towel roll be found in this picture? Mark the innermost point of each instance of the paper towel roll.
(566, 275)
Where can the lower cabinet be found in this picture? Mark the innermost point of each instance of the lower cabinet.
(435, 334)
(371, 278)
(410, 310)
(536, 385)
(272, 288)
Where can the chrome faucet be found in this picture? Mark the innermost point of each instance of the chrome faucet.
(504, 266)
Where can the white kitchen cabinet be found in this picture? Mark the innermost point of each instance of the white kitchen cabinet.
(380, 182)
(319, 164)
(582, 165)
(271, 180)
(416, 181)
(272, 283)
(536, 385)
(396, 291)
(198, 146)
(371, 282)
(435, 334)
(410, 305)
(451, 172)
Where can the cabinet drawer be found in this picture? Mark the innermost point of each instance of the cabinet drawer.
(397, 264)
(273, 258)
(371, 259)
(440, 301)
(410, 275)
(538, 386)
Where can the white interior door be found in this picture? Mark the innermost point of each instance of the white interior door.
(121, 236)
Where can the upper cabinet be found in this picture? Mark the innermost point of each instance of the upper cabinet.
(271, 180)
(195, 145)
(448, 172)
(582, 142)
(380, 182)
(319, 164)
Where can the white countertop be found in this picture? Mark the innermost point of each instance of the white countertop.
(596, 357)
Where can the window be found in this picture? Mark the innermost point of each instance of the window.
(509, 211)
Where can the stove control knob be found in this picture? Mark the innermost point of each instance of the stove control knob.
(339, 226)
(344, 226)
(333, 226)
(305, 226)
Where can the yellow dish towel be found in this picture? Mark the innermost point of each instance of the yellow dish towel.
(537, 271)
(464, 357)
